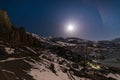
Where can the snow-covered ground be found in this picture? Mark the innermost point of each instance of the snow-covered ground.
(47, 75)
(41, 72)
(115, 76)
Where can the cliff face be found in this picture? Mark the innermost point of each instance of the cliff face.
(10, 33)
(5, 25)
(4, 20)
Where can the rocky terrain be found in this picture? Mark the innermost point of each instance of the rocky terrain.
(27, 56)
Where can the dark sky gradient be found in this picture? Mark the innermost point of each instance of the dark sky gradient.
(95, 19)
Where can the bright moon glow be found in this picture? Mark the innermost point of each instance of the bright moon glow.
(70, 28)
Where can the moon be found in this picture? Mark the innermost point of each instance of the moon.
(70, 28)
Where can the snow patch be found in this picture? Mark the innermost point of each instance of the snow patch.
(37, 75)
(8, 71)
(65, 44)
(11, 59)
(115, 76)
(9, 50)
(31, 50)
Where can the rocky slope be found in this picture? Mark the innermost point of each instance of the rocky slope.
(20, 62)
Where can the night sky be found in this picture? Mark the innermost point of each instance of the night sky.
(92, 19)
